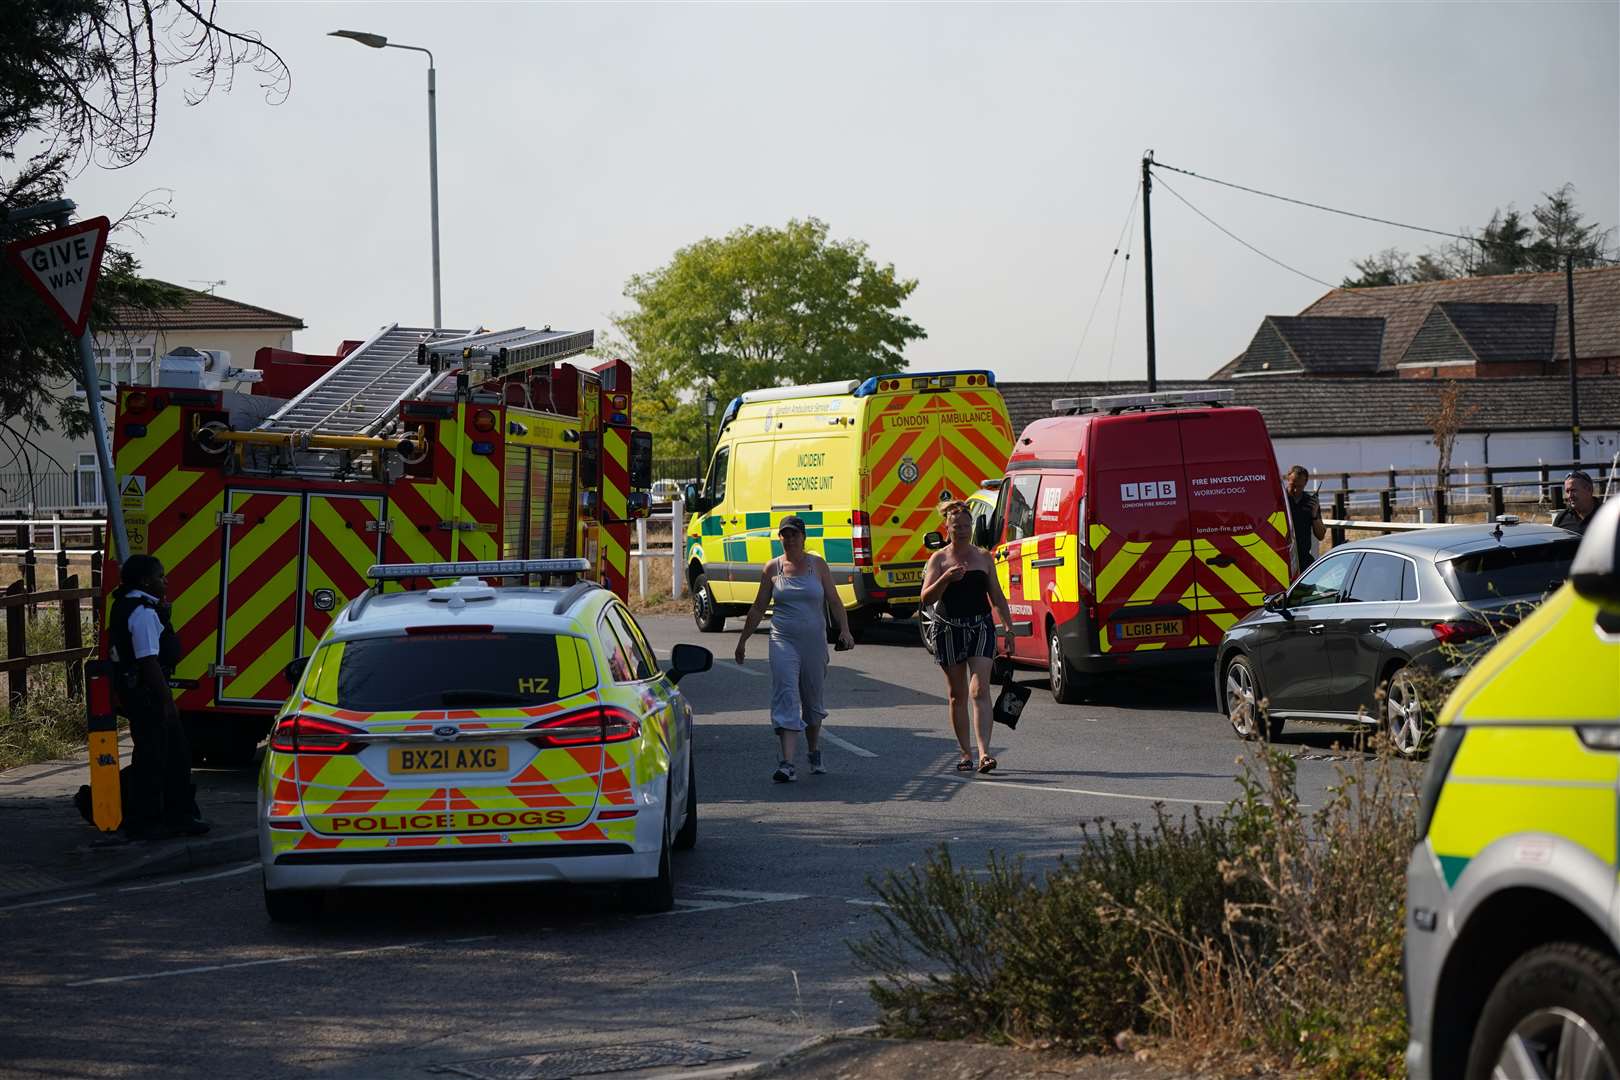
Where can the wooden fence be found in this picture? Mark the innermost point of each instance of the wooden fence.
(17, 601)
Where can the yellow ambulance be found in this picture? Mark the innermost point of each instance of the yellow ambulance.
(865, 464)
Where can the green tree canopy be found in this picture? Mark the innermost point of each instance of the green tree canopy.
(757, 307)
(1507, 244)
(79, 82)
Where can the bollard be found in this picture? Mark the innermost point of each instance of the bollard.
(101, 723)
(677, 544)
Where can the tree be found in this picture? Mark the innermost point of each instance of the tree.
(758, 307)
(1446, 417)
(1506, 245)
(79, 82)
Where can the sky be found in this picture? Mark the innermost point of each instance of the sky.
(991, 152)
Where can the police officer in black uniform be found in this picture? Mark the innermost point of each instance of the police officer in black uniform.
(161, 798)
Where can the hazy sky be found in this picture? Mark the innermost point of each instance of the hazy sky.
(989, 151)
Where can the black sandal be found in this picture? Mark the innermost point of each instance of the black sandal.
(987, 764)
(965, 765)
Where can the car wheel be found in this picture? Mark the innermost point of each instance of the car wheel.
(1405, 721)
(925, 630)
(1555, 1012)
(1065, 680)
(705, 612)
(1245, 704)
(655, 895)
(292, 905)
(686, 839)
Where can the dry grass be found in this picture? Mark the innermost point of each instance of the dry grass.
(51, 724)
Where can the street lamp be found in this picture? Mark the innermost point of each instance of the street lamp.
(709, 406)
(377, 41)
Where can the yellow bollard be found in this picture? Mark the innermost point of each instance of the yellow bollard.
(106, 800)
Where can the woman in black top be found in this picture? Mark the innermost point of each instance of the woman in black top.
(960, 580)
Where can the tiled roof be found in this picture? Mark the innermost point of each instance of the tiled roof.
(1320, 345)
(1496, 332)
(1405, 308)
(203, 311)
(1297, 406)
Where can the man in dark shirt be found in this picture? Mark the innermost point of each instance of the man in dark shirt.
(1580, 503)
(1304, 514)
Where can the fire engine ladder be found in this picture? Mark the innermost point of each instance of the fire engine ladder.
(360, 391)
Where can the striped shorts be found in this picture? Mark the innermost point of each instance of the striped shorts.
(956, 640)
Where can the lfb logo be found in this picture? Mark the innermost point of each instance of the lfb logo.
(1148, 491)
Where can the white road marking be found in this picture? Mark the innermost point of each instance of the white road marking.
(867, 903)
(43, 903)
(1086, 791)
(739, 898)
(764, 897)
(207, 968)
(746, 670)
(232, 872)
(845, 744)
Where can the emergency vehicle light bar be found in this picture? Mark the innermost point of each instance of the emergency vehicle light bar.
(1163, 399)
(492, 568)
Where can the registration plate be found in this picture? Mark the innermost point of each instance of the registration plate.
(448, 759)
(1138, 629)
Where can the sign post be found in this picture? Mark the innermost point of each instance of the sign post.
(63, 266)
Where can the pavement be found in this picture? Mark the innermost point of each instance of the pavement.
(50, 848)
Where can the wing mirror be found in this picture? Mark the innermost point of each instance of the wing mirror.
(933, 541)
(687, 659)
(295, 669)
(1276, 602)
(1595, 573)
(693, 499)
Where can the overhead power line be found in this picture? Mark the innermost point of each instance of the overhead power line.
(1239, 239)
(1351, 213)
(1129, 215)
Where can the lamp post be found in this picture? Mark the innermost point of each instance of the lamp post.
(378, 41)
(709, 406)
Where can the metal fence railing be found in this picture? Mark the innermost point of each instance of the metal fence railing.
(50, 491)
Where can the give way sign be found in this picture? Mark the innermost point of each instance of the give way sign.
(63, 266)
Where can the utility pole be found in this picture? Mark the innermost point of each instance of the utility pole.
(1147, 254)
(1574, 385)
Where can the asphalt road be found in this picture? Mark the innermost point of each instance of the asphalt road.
(186, 976)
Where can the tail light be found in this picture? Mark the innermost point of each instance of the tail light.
(483, 420)
(1083, 550)
(587, 727)
(310, 735)
(1457, 630)
(860, 534)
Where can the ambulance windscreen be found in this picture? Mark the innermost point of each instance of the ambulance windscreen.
(425, 670)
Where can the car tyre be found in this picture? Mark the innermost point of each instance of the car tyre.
(686, 839)
(655, 895)
(1064, 679)
(705, 612)
(1557, 1005)
(925, 630)
(1403, 717)
(292, 905)
(1245, 702)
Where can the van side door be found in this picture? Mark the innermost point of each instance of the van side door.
(1020, 581)
(712, 526)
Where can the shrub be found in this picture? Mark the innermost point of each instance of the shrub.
(1262, 932)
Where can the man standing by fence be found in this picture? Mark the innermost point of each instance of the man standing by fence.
(1305, 515)
(1580, 503)
(144, 653)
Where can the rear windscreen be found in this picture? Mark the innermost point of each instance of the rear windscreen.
(1503, 572)
(458, 670)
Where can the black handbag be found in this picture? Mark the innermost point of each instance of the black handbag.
(1010, 704)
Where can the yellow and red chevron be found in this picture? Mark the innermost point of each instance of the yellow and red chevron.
(615, 532)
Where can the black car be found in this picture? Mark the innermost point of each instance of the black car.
(1345, 642)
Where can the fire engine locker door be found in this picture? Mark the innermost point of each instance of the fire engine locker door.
(342, 539)
(258, 595)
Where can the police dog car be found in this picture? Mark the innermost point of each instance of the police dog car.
(469, 734)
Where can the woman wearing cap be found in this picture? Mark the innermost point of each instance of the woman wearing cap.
(800, 591)
(961, 579)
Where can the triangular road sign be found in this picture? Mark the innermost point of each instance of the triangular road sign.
(63, 265)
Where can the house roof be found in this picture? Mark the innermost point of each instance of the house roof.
(1302, 406)
(1499, 332)
(1318, 344)
(204, 311)
(1404, 309)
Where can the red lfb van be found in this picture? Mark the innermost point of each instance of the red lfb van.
(1131, 531)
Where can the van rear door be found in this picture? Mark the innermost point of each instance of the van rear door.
(1139, 534)
(1239, 522)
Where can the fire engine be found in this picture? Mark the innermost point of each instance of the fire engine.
(415, 445)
